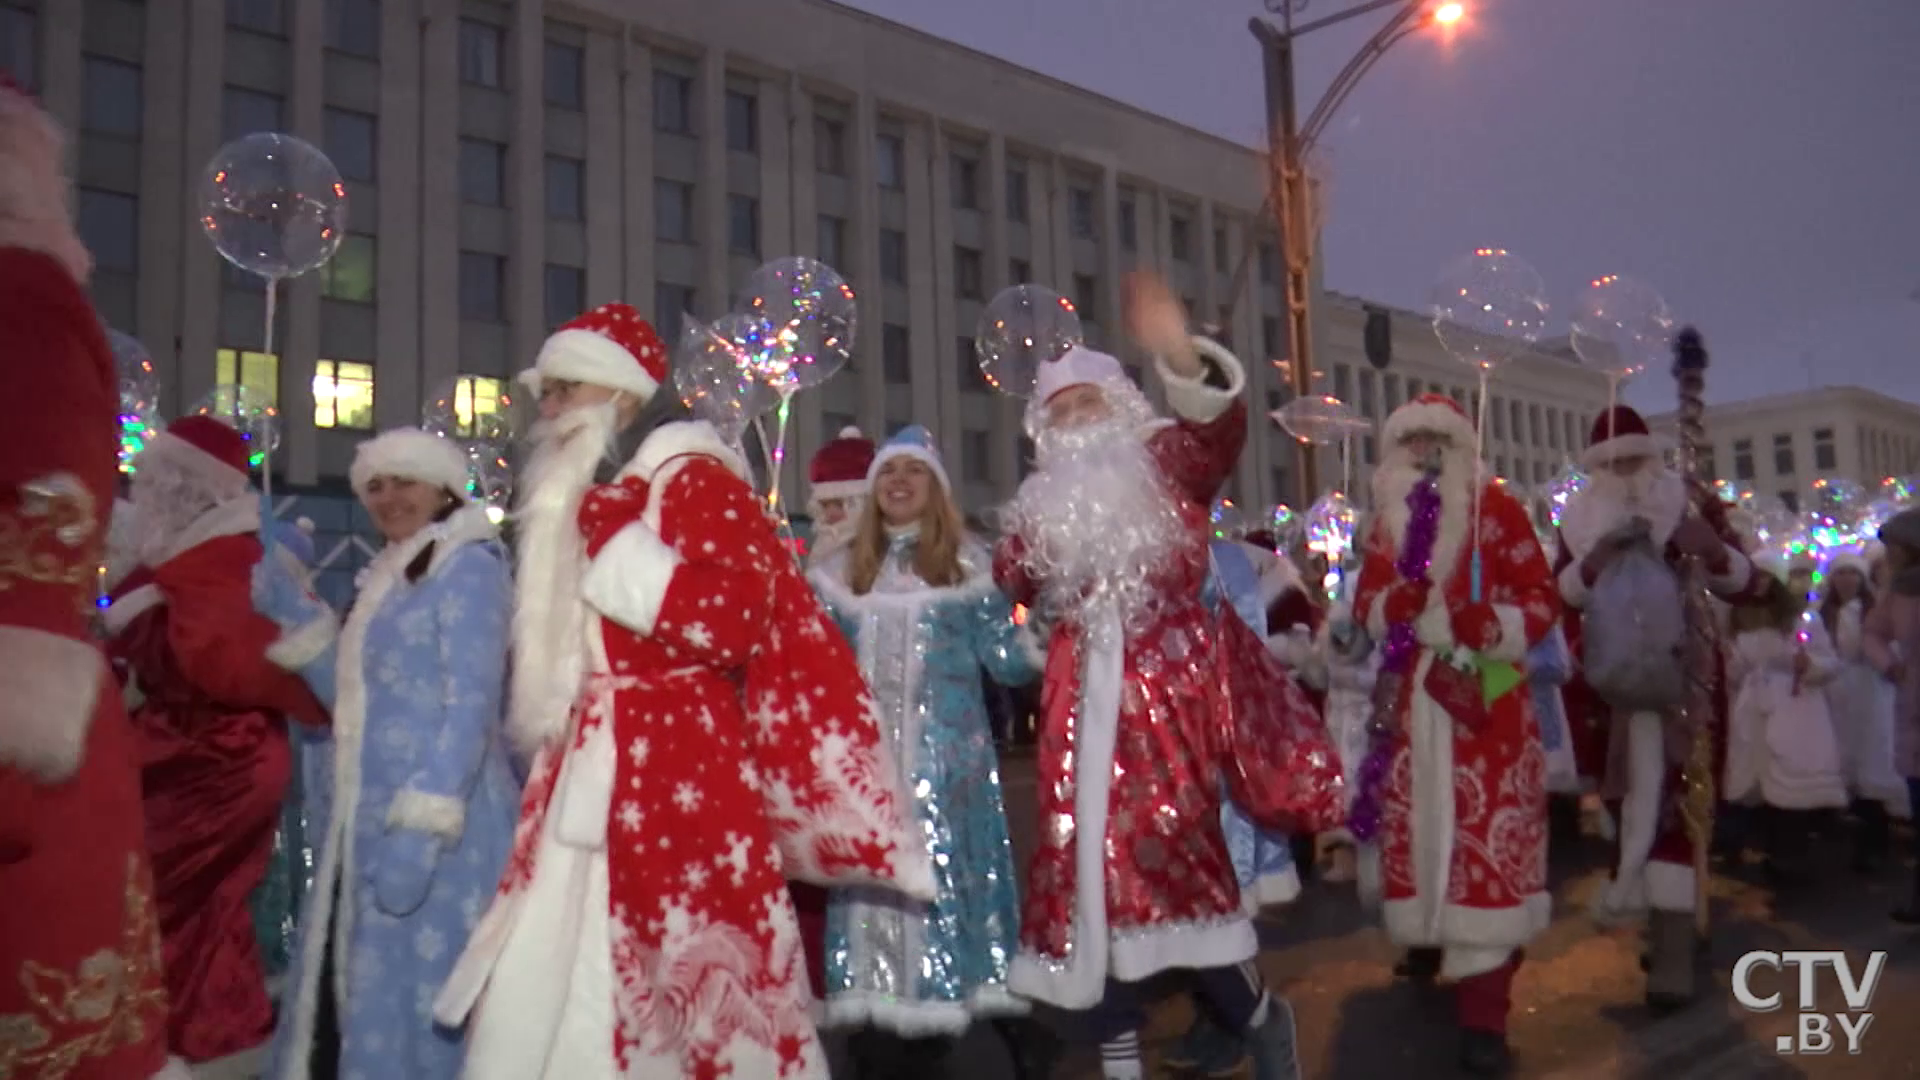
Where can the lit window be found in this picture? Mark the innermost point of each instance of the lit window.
(477, 401)
(257, 371)
(342, 395)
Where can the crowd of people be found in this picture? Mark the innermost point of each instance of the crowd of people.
(642, 796)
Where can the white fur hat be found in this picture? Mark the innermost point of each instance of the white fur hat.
(1078, 366)
(1434, 414)
(409, 454)
(1858, 561)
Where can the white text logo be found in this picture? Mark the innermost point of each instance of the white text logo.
(1814, 1033)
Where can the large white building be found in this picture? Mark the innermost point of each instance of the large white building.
(509, 165)
(1780, 444)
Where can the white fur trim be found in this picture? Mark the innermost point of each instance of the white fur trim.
(678, 439)
(1670, 886)
(49, 686)
(296, 648)
(1433, 628)
(1294, 649)
(1622, 446)
(1078, 366)
(171, 452)
(1193, 399)
(627, 581)
(1739, 574)
(918, 453)
(920, 1019)
(175, 1069)
(137, 602)
(1475, 940)
(237, 515)
(1420, 416)
(1573, 585)
(836, 489)
(1376, 621)
(445, 816)
(1850, 560)
(1512, 646)
(586, 357)
(409, 454)
(1271, 890)
(1626, 896)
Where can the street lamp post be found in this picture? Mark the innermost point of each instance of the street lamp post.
(1290, 190)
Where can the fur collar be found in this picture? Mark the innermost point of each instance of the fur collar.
(468, 525)
(230, 518)
(830, 579)
(1591, 515)
(682, 438)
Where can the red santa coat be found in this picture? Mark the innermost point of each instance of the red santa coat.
(1132, 876)
(218, 689)
(1463, 846)
(643, 926)
(1656, 853)
(82, 995)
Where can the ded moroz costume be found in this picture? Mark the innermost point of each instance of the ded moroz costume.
(700, 731)
(837, 490)
(82, 995)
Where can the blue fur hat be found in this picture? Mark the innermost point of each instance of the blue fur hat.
(912, 441)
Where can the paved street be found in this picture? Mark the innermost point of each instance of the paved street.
(1578, 1014)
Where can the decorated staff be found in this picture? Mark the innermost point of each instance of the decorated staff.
(1701, 644)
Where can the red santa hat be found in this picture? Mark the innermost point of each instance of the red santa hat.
(208, 452)
(1078, 366)
(1619, 433)
(610, 346)
(409, 454)
(839, 468)
(1430, 414)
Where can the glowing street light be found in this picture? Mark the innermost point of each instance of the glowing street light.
(1448, 14)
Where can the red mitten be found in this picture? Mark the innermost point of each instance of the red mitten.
(1405, 600)
(1475, 626)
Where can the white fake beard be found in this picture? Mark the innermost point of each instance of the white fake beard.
(1395, 478)
(828, 539)
(1631, 494)
(162, 505)
(1098, 521)
(549, 622)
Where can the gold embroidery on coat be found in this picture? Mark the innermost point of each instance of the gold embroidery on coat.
(51, 536)
(110, 1001)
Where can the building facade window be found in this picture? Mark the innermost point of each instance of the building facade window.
(109, 224)
(353, 27)
(1085, 289)
(1017, 197)
(1020, 271)
(672, 211)
(257, 372)
(889, 161)
(831, 239)
(483, 286)
(260, 16)
(893, 255)
(248, 111)
(672, 103)
(566, 293)
(1129, 225)
(1220, 249)
(1783, 454)
(743, 122)
(829, 147)
(565, 76)
(349, 276)
(1743, 459)
(483, 172)
(672, 303)
(1790, 499)
(342, 395)
(968, 274)
(1269, 264)
(1080, 214)
(481, 48)
(1825, 456)
(973, 378)
(111, 99)
(476, 400)
(965, 172)
(20, 46)
(743, 225)
(352, 143)
(566, 188)
(1180, 238)
(896, 355)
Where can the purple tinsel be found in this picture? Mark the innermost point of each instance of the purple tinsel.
(1396, 656)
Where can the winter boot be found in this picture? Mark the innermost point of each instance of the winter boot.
(1789, 846)
(1207, 1049)
(1273, 1046)
(1420, 966)
(1032, 1046)
(1485, 1053)
(1671, 947)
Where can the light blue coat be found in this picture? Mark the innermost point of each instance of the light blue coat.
(907, 968)
(414, 813)
(1549, 666)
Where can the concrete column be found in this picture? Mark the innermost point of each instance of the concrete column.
(1110, 272)
(866, 267)
(926, 276)
(778, 225)
(438, 146)
(1209, 294)
(710, 200)
(801, 204)
(199, 263)
(936, 389)
(1004, 468)
(167, 183)
(605, 147)
(61, 69)
(400, 319)
(636, 127)
(298, 458)
(526, 184)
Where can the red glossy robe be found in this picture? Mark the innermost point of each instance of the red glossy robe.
(643, 927)
(218, 686)
(1656, 856)
(1463, 845)
(1132, 874)
(81, 991)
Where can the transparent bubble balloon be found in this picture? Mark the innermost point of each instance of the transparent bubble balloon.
(807, 317)
(1567, 483)
(248, 411)
(490, 476)
(1876, 514)
(1488, 306)
(273, 205)
(1023, 327)
(1330, 525)
(1228, 522)
(1287, 526)
(133, 367)
(714, 374)
(1726, 492)
(137, 430)
(1620, 326)
(1320, 419)
(1837, 500)
(1900, 489)
(473, 409)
